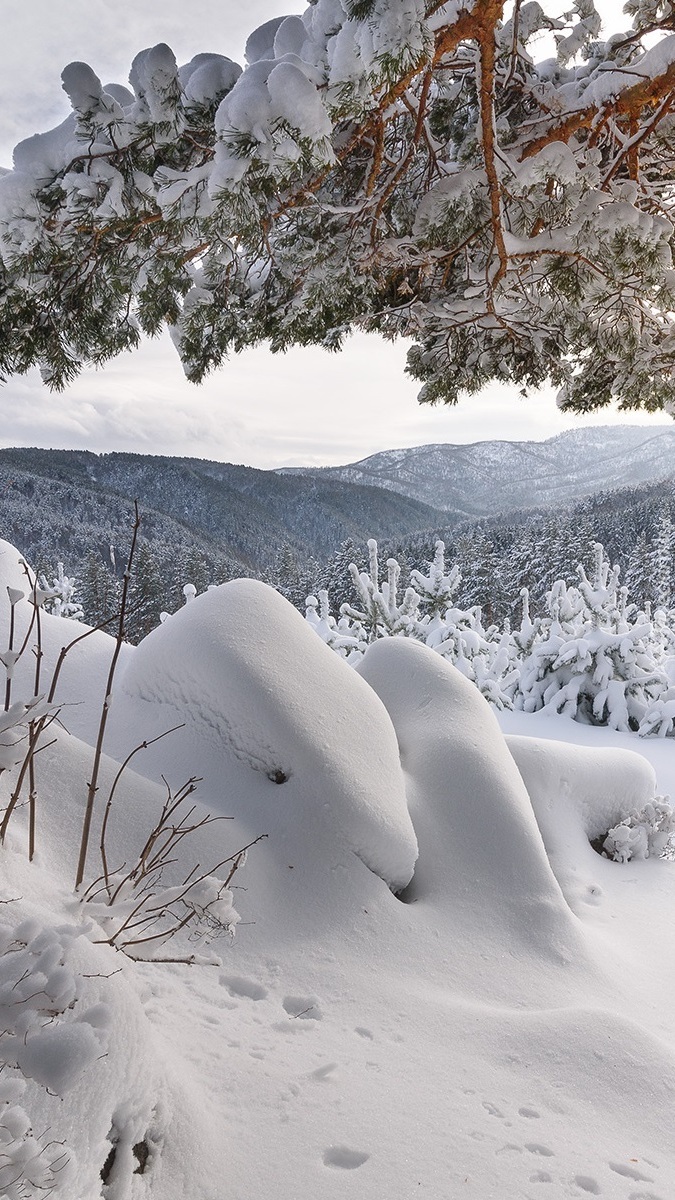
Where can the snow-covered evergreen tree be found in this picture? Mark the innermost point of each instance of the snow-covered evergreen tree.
(593, 659)
(662, 563)
(344, 636)
(336, 573)
(377, 609)
(638, 574)
(61, 600)
(592, 655)
(147, 594)
(426, 612)
(99, 591)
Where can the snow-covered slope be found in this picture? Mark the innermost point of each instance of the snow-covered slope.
(485, 478)
(502, 1025)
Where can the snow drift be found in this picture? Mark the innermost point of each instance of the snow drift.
(492, 1034)
(241, 664)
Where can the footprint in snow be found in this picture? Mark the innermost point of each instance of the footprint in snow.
(344, 1158)
(239, 985)
(302, 1008)
(630, 1172)
(323, 1072)
(531, 1113)
(645, 1196)
(587, 1184)
(493, 1110)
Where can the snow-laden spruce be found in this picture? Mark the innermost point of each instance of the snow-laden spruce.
(422, 169)
(60, 595)
(426, 612)
(595, 657)
(592, 655)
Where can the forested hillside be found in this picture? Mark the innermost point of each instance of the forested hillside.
(499, 556)
(201, 522)
(205, 522)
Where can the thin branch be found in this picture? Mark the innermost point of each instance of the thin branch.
(121, 632)
(104, 826)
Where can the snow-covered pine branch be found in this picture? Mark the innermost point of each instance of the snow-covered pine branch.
(398, 165)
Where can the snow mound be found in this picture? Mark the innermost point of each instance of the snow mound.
(481, 851)
(241, 667)
(11, 571)
(578, 793)
(82, 680)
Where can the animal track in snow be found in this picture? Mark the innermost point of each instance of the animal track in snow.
(630, 1172)
(536, 1148)
(493, 1110)
(587, 1184)
(344, 1158)
(239, 985)
(529, 1112)
(541, 1177)
(302, 1008)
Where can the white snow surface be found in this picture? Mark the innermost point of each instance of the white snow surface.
(503, 1026)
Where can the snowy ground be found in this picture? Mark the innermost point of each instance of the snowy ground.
(501, 1032)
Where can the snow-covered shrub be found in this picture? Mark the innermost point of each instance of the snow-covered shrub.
(592, 657)
(46, 1037)
(30, 1166)
(15, 725)
(427, 613)
(642, 834)
(60, 595)
(44, 1034)
(140, 909)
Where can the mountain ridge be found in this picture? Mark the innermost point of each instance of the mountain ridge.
(476, 479)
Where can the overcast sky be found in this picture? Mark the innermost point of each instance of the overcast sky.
(306, 407)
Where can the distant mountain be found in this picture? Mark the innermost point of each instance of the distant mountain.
(486, 478)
